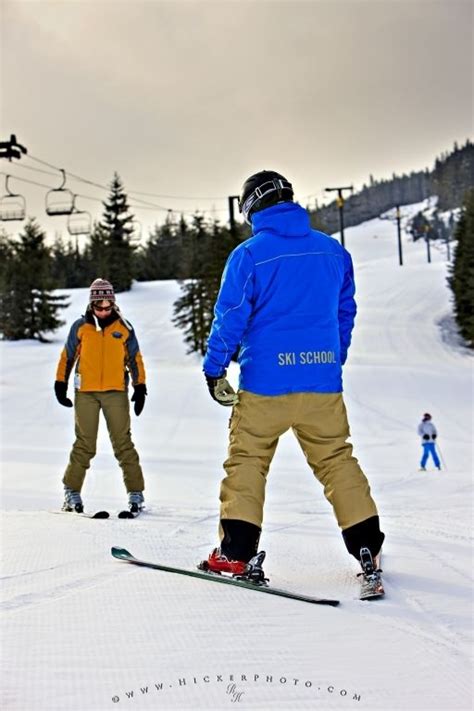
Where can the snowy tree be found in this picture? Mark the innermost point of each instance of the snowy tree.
(205, 249)
(115, 231)
(191, 309)
(28, 308)
(462, 271)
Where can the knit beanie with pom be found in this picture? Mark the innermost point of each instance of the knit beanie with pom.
(101, 290)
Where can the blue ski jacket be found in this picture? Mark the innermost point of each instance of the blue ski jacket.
(286, 303)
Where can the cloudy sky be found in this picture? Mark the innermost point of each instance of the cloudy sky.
(186, 98)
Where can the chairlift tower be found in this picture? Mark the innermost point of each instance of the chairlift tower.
(11, 149)
(340, 205)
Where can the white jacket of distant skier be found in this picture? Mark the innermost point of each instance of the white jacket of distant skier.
(426, 427)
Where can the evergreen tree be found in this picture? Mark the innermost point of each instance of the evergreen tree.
(5, 255)
(117, 233)
(160, 257)
(205, 251)
(317, 222)
(189, 315)
(453, 175)
(28, 309)
(461, 279)
(189, 312)
(96, 255)
(70, 266)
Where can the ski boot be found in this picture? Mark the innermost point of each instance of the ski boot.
(372, 586)
(136, 501)
(219, 563)
(251, 572)
(72, 501)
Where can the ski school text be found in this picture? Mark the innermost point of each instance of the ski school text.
(307, 358)
(236, 686)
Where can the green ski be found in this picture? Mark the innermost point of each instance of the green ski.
(122, 554)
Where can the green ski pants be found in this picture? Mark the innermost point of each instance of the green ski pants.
(115, 406)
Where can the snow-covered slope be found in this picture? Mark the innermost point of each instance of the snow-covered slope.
(82, 631)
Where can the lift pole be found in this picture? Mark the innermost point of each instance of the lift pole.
(340, 205)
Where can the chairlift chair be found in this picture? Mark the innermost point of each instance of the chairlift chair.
(79, 222)
(12, 205)
(60, 201)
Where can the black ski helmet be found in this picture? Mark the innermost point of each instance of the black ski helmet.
(262, 190)
(427, 416)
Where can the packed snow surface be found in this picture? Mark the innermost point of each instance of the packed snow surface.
(84, 632)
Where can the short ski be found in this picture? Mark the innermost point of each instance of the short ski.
(122, 554)
(134, 510)
(371, 586)
(83, 514)
(128, 514)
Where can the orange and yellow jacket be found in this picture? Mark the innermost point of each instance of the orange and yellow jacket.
(105, 358)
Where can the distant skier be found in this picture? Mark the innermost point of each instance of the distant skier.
(428, 434)
(287, 301)
(104, 347)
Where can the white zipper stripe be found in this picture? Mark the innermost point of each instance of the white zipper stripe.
(300, 254)
(233, 308)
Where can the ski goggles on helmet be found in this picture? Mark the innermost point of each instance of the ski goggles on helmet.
(270, 186)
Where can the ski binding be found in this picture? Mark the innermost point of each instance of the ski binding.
(371, 585)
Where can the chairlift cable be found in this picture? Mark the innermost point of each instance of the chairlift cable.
(48, 187)
(177, 197)
(142, 204)
(146, 206)
(36, 170)
(131, 192)
(96, 185)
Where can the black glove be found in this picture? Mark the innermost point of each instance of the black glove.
(60, 390)
(426, 436)
(434, 436)
(138, 397)
(221, 391)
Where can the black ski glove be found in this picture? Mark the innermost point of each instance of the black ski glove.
(60, 390)
(434, 436)
(221, 390)
(426, 436)
(138, 397)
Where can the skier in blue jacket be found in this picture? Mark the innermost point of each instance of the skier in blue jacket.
(286, 304)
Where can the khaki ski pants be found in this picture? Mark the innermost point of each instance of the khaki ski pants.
(319, 421)
(115, 406)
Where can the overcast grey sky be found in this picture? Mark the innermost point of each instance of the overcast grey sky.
(188, 98)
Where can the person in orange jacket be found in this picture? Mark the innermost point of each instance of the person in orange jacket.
(103, 347)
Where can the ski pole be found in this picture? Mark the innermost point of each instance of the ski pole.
(441, 456)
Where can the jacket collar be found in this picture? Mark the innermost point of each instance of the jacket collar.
(287, 219)
(103, 322)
